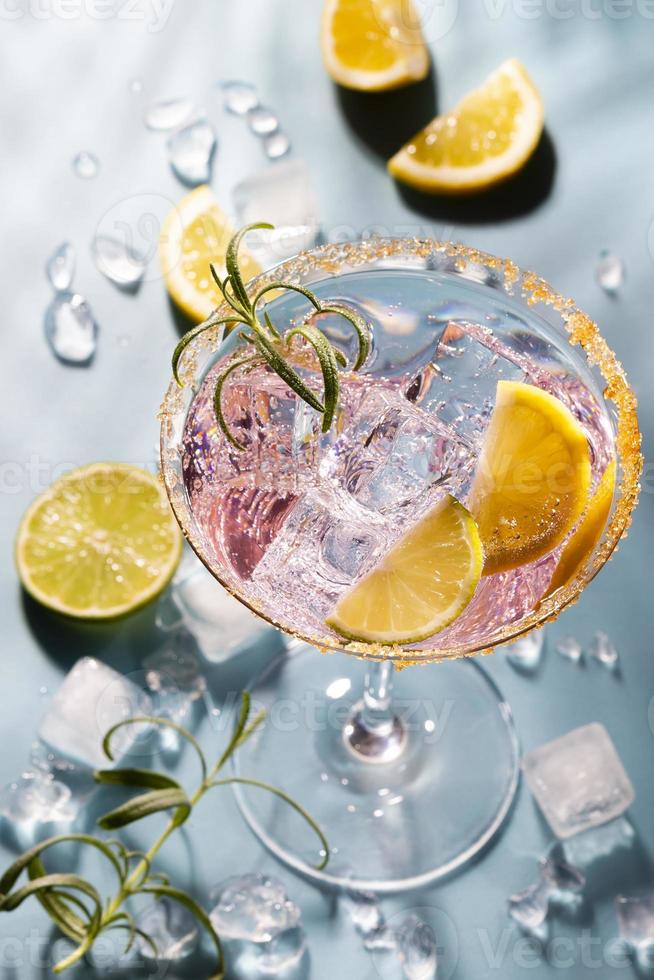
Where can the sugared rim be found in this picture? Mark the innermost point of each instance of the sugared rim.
(337, 259)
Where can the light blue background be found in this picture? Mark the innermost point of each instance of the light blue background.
(65, 88)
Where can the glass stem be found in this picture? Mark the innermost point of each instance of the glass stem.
(374, 733)
(377, 710)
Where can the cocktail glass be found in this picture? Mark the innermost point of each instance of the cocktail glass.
(410, 785)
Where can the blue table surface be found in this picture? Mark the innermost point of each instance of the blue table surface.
(65, 89)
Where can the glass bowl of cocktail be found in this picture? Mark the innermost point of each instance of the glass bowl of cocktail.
(480, 467)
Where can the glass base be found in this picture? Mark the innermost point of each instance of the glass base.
(393, 821)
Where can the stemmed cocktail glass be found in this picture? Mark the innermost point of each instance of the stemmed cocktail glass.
(410, 773)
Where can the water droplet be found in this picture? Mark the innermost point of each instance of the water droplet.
(239, 97)
(570, 649)
(262, 121)
(168, 113)
(43, 689)
(123, 340)
(86, 165)
(526, 652)
(121, 264)
(135, 86)
(609, 272)
(276, 145)
(190, 152)
(60, 267)
(70, 328)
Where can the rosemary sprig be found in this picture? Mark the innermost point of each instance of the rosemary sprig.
(75, 905)
(268, 346)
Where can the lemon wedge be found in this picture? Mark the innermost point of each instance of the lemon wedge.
(584, 538)
(424, 582)
(532, 478)
(373, 45)
(490, 135)
(99, 543)
(196, 233)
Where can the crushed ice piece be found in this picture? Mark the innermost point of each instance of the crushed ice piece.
(168, 113)
(191, 151)
(578, 780)
(70, 328)
(570, 649)
(37, 806)
(86, 165)
(636, 923)
(60, 268)
(91, 699)
(239, 97)
(417, 950)
(262, 121)
(603, 650)
(365, 912)
(173, 929)
(383, 940)
(529, 909)
(285, 197)
(259, 925)
(526, 652)
(609, 271)
(276, 145)
(220, 625)
(459, 384)
(175, 682)
(121, 264)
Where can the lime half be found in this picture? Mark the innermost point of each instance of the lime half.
(99, 543)
(423, 583)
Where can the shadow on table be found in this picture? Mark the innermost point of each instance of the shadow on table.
(524, 192)
(383, 121)
(119, 644)
(183, 323)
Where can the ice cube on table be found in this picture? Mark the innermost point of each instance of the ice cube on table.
(458, 386)
(559, 885)
(591, 848)
(609, 272)
(121, 264)
(239, 98)
(92, 698)
(173, 929)
(190, 152)
(175, 681)
(416, 946)
(60, 268)
(525, 653)
(70, 328)
(570, 649)
(602, 649)
(276, 145)
(36, 806)
(529, 910)
(365, 912)
(168, 113)
(578, 780)
(259, 925)
(285, 197)
(636, 923)
(220, 625)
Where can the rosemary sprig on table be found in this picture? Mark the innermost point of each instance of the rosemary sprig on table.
(75, 905)
(264, 344)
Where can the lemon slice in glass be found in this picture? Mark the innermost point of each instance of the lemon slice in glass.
(99, 543)
(372, 45)
(424, 582)
(490, 135)
(196, 233)
(584, 538)
(532, 478)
